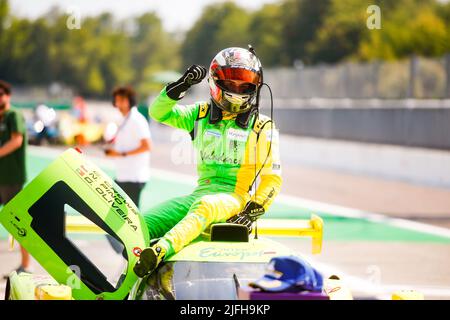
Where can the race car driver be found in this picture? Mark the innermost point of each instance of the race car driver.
(236, 146)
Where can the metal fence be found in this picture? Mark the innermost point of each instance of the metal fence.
(413, 78)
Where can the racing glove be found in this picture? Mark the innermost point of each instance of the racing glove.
(250, 214)
(193, 75)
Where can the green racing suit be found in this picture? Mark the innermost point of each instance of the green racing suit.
(228, 158)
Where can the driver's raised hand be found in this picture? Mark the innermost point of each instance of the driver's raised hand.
(193, 75)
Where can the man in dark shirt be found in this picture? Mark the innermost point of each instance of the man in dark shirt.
(13, 141)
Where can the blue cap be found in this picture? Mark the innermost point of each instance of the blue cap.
(289, 273)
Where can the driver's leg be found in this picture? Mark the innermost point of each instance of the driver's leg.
(159, 220)
(164, 216)
(206, 210)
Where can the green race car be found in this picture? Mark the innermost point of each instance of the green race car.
(38, 219)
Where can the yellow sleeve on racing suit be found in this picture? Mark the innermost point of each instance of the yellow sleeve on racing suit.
(268, 158)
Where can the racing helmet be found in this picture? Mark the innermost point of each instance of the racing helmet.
(235, 75)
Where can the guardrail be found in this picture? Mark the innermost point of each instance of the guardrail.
(412, 127)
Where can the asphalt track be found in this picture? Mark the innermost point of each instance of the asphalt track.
(375, 254)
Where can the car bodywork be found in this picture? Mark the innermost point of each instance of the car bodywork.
(197, 271)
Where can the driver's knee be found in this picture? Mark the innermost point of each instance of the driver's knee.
(216, 207)
(204, 208)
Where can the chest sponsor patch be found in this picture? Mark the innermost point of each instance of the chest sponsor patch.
(212, 133)
(238, 135)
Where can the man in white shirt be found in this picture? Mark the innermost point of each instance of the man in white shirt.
(131, 146)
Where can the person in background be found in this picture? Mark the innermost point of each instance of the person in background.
(13, 141)
(131, 145)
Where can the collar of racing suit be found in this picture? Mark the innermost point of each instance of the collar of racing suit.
(242, 119)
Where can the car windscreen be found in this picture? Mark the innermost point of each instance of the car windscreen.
(186, 280)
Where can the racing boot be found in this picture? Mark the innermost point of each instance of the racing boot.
(149, 259)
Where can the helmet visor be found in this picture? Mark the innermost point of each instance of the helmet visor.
(236, 86)
(237, 73)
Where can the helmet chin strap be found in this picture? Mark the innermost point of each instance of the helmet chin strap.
(242, 119)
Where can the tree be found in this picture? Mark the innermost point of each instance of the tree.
(152, 50)
(266, 35)
(100, 55)
(409, 27)
(4, 13)
(340, 32)
(220, 26)
(301, 21)
(107, 52)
